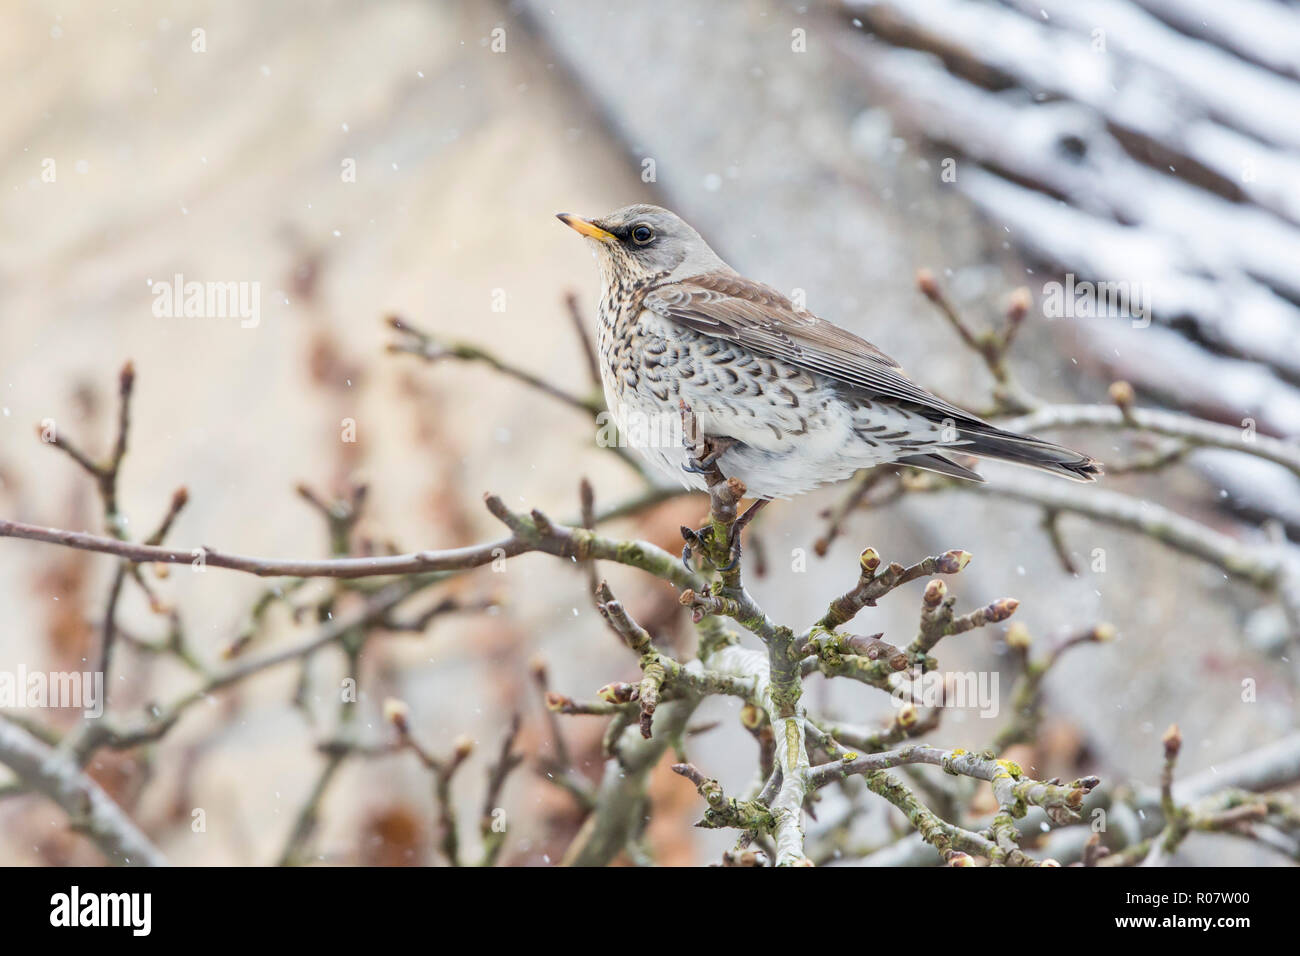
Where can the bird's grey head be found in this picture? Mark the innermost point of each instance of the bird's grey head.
(645, 242)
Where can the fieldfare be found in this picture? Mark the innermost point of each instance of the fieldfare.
(786, 400)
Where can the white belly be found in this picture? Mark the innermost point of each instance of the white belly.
(790, 437)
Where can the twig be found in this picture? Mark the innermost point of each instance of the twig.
(1010, 786)
(424, 345)
(580, 327)
(872, 586)
(1258, 566)
(1196, 431)
(494, 836)
(55, 774)
(559, 540)
(991, 346)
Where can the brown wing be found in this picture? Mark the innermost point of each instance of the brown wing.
(762, 319)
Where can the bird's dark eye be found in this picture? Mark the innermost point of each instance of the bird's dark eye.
(641, 234)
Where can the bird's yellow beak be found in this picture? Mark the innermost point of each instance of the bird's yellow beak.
(588, 229)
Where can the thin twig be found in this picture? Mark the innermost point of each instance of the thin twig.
(55, 774)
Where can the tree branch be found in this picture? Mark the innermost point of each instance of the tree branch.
(54, 773)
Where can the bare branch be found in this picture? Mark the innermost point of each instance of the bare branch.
(54, 773)
(557, 539)
(1196, 431)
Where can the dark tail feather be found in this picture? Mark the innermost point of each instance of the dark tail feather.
(990, 442)
(940, 464)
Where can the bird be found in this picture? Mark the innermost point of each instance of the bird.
(785, 400)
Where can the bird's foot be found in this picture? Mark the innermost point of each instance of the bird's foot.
(734, 535)
(697, 538)
(693, 539)
(713, 448)
(735, 558)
